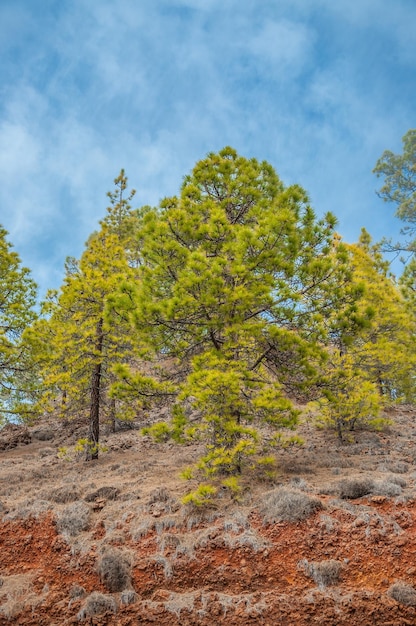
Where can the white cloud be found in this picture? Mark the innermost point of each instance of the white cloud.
(284, 44)
(153, 86)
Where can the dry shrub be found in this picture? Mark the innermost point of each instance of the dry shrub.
(73, 519)
(288, 505)
(17, 596)
(163, 561)
(76, 592)
(64, 494)
(386, 488)
(43, 434)
(236, 522)
(397, 480)
(160, 501)
(97, 604)
(108, 492)
(28, 508)
(128, 596)
(328, 523)
(194, 516)
(161, 494)
(352, 488)
(399, 468)
(248, 539)
(46, 452)
(324, 573)
(114, 568)
(142, 528)
(403, 593)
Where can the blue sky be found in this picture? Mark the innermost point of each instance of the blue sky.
(319, 88)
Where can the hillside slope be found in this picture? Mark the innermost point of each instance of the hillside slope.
(331, 540)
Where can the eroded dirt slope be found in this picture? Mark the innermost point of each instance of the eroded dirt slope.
(332, 540)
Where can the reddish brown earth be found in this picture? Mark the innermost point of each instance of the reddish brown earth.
(225, 567)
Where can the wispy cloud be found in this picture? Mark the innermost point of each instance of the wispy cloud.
(319, 89)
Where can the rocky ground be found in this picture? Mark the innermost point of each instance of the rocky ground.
(330, 540)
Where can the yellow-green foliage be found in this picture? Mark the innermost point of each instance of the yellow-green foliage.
(237, 283)
(201, 496)
(399, 171)
(82, 339)
(385, 348)
(84, 447)
(350, 399)
(88, 447)
(233, 485)
(77, 335)
(17, 298)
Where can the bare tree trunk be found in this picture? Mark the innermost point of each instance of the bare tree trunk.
(113, 414)
(94, 428)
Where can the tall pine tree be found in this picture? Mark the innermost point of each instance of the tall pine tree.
(237, 284)
(77, 343)
(17, 301)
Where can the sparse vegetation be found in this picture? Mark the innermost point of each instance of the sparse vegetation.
(97, 604)
(324, 573)
(128, 596)
(106, 492)
(64, 494)
(73, 519)
(77, 591)
(18, 596)
(288, 505)
(355, 487)
(386, 488)
(114, 568)
(403, 593)
(247, 539)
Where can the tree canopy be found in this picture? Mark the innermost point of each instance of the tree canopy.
(238, 286)
(399, 172)
(17, 301)
(232, 304)
(76, 345)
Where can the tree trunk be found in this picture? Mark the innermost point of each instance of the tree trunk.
(94, 429)
(113, 414)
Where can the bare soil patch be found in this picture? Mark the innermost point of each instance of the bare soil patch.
(331, 540)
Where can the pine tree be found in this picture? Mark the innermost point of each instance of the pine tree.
(237, 284)
(399, 171)
(373, 365)
(17, 301)
(78, 344)
(386, 348)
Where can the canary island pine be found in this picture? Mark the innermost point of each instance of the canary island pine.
(78, 343)
(17, 300)
(236, 288)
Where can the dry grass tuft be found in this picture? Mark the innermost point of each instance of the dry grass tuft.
(160, 501)
(248, 539)
(386, 488)
(352, 488)
(403, 593)
(97, 604)
(128, 596)
(160, 494)
(324, 573)
(76, 592)
(17, 596)
(108, 493)
(288, 505)
(114, 567)
(64, 494)
(73, 519)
